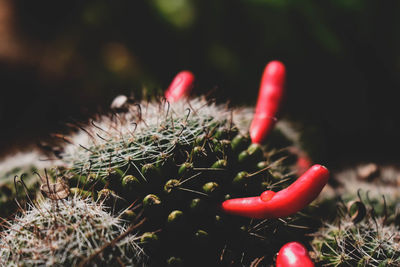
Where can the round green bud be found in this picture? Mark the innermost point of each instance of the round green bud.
(129, 215)
(201, 237)
(262, 165)
(240, 142)
(175, 261)
(175, 218)
(105, 194)
(218, 221)
(243, 156)
(150, 201)
(170, 185)
(150, 241)
(201, 234)
(221, 134)
(224, 146)
(185, 168)
(150, 172)
(255, 152)
(114, 177)
(196, 205)
(240, 178)
(220, 164)
(130, 182)
(198, 153)
(210, 188)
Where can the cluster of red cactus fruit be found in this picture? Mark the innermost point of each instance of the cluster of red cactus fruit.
(269, 204)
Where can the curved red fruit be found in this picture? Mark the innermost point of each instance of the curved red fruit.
(269, 99)
(283, 203)
(180, 86)
(293, 254)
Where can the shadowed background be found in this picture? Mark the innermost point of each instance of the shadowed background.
(68, 59)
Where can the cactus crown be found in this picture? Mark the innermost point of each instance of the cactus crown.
(148, 133)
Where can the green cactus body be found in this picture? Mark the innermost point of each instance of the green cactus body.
(178, 162)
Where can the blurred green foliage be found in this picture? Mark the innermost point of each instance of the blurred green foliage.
(342, 57)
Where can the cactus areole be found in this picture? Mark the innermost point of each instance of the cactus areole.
(180, 86)
(283, 203)
(269, 99)
(293, 254)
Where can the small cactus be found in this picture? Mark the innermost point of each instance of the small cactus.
(73, 232)
(16, 187)
(359, 237)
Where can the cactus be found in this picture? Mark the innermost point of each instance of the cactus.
(180, 160)
(363, 230)
(73, 232)
(15, 184)
(360, 236)
(168, 166)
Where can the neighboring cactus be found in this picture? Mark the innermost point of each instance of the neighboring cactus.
(359, 237)
(15, 184)
(18, 179)
(73, 232)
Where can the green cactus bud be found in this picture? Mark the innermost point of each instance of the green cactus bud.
(240, 142)
(255, 152)
(151, 173)
(151, 201)
(114, 177)
(201, 237)
(240, 178)
(197, 205)
(219, 222)
(198, 154)
(220, 164)
(262, 165)
(105, 194)
(129, 215)
(210, 188)
(170, 185)
(185, 169)
(149, 238)
(175, 262)
(175, 219)
(150, 242)
(221, 134)
(244, 157)
(130, 182)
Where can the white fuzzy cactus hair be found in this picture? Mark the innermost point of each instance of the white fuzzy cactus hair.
(71, 232)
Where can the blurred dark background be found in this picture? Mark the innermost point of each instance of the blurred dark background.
(67, 59)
